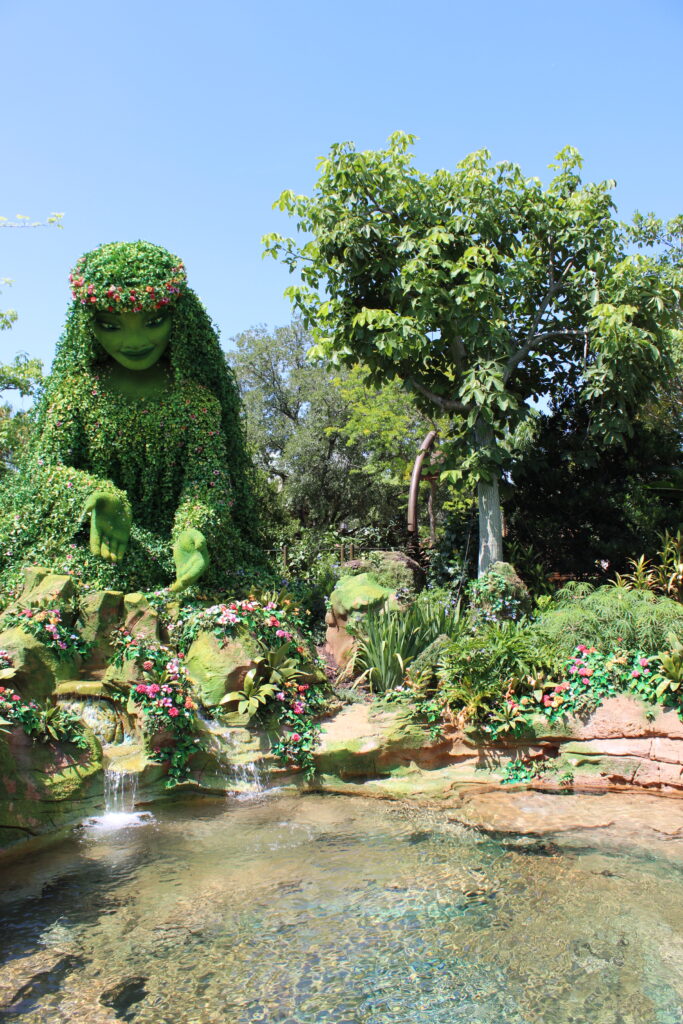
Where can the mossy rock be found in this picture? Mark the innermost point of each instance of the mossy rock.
(499, 595)
(36, 670)
(392, 569)
(427, 661)
(100, 715)
(215, 669)
(366, 741)
(45, 786)
(43, 588)
(358, 594)
(100, 611)
(141, 619)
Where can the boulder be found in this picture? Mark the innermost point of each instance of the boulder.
(43, 588)
(392, 569)
(44, 786)
(141, 619)
(352, 596)
(500, 595)
(363, 741)
(99, 715)
(101, 611)
(215, 669)
(35, 669)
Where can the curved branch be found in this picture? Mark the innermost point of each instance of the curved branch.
(447, 404)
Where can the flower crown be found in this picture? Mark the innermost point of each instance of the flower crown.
(128, 277)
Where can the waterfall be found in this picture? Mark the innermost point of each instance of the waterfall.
(249, 780)
(120, 791)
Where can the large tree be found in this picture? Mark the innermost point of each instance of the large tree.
(481, 290)
(23, 376)
(339, 450)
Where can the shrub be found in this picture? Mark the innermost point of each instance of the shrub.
(480, 668)
(498, 596)
(608, 618)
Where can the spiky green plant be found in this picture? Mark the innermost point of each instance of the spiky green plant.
(390, 641)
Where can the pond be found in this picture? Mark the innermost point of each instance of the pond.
(337, 910)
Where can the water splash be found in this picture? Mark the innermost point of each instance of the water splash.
(120, 794)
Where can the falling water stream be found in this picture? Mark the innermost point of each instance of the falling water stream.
(324, 910)
(120, 793)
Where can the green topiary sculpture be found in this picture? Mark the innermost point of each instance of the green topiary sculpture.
(139, 460)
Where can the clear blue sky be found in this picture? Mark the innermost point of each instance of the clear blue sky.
(180, 123)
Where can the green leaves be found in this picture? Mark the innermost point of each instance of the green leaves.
(483, 286)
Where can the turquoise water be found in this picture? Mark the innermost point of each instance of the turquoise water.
(342, 911)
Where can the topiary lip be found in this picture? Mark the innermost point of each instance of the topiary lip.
(128, 277)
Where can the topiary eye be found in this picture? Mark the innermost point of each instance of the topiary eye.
(156, 321)
(107, 325)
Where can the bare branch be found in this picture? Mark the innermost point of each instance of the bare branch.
(447, 404)
(531, 343)
(532, 336)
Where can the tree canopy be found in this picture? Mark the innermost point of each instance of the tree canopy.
(340, 451)
(482, 291)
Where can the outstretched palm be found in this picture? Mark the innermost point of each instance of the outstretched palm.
(191, 558)
(110, 523)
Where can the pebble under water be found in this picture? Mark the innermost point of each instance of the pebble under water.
(327, 910)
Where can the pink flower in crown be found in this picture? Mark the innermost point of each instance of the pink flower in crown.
(148, 665)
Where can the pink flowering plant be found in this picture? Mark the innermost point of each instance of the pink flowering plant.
(590, 677)
(287, 697)
(170, 712)
(271, 622)
(283, 691)
(148, 654)
(295, 707)
(51, 626)
(44, 723)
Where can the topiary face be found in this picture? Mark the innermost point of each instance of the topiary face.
(135, 340)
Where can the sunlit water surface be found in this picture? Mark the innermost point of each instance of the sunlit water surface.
(337, 910)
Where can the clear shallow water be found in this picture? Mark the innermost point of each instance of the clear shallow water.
(339, 911)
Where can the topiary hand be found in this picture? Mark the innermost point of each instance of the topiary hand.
(191, 558)
(109, 525)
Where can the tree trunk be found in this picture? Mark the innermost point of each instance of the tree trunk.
(490, 515)
(430, 509)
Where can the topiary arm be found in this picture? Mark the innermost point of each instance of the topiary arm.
(60, 450)
(206, 497)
